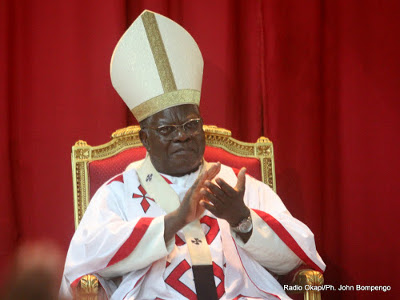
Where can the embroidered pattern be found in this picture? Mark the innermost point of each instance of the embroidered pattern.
(144, 203)
(149, 177)
(179, 241)
(219, 273)
(196, 241)
(213, 230)
(173, 280)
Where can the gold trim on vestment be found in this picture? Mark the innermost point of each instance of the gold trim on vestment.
(159, 52)
(163, 101)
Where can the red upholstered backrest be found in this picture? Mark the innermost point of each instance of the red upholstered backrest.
(253, 165)
(102, 170)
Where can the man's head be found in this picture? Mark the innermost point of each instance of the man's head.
(157, 69)
(177, 153)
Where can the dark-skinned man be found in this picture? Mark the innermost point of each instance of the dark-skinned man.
(174, 226)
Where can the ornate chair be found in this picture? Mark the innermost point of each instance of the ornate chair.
(92, 166)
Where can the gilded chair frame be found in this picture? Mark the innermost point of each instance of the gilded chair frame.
(126, 138)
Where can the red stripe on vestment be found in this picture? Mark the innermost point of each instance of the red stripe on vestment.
(173, 280)
(285, 236)
(119, 178)
(166, 179)
(133, 240)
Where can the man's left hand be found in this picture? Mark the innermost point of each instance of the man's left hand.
(224, 201)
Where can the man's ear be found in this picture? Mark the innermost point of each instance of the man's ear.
(144, 139)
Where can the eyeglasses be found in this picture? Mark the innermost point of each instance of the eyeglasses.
(190, 127)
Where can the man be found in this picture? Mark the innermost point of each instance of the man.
(174, 226)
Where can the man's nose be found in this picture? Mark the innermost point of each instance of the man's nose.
(181, 134)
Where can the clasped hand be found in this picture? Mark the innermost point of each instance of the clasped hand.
(220, 199)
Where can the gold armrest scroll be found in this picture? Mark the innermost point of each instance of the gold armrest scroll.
(310, 278)
(88, 288)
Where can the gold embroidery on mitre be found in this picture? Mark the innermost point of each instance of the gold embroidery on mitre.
(163, 101)
(159, 52)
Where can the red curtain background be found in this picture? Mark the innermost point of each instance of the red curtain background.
(320, 78)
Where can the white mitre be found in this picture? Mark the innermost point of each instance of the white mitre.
(156, 65)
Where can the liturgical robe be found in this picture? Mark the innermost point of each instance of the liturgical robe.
(121, 240)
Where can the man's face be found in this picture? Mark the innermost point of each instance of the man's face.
(175, 155)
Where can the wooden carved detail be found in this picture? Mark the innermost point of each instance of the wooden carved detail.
(311, 277)
(89, 284)
(263, 139)
(116, 145)
(81, 143)
(81, 200)
(130, 130)
(229, 144)
(264, 150)
(267, 172)
(211, 129)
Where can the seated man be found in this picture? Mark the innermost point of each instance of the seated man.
(174, 226)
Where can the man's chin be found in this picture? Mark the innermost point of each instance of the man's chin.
(184, 167)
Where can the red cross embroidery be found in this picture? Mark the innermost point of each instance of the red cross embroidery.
(213, 230)
(173, 280)
(219, 273)
(144, 203)
(179, 241)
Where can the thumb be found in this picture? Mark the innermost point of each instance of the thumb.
(241, 182)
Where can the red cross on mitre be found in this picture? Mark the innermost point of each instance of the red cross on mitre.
(144, 203)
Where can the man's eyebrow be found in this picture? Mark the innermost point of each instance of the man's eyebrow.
(163, 122)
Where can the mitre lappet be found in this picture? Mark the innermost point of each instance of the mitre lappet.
(156, 65)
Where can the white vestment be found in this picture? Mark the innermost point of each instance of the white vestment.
(121, 240)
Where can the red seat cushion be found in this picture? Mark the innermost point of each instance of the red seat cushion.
(102, 170)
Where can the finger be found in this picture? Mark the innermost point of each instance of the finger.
(213, 170)
(226, 188)
(199, 182)
(212, 198)
(207, 175)
(216, 190)
(241, 182)
(209, 207)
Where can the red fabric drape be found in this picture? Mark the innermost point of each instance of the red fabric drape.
(319, 78)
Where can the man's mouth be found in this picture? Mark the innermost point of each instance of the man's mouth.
(183, 151)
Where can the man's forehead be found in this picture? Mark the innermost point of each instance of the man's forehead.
(175, 114)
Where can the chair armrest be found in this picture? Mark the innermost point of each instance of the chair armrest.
(89, 288)
(309, 277)
(306, 281)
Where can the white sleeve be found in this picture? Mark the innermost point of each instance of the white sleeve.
(279, 242)
(265, 246)
(107, 244)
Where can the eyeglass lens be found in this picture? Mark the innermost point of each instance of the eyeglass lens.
(189, 127)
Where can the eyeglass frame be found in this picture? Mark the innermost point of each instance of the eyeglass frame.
(176, 126)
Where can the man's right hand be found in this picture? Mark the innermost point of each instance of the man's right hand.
(190, 208)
